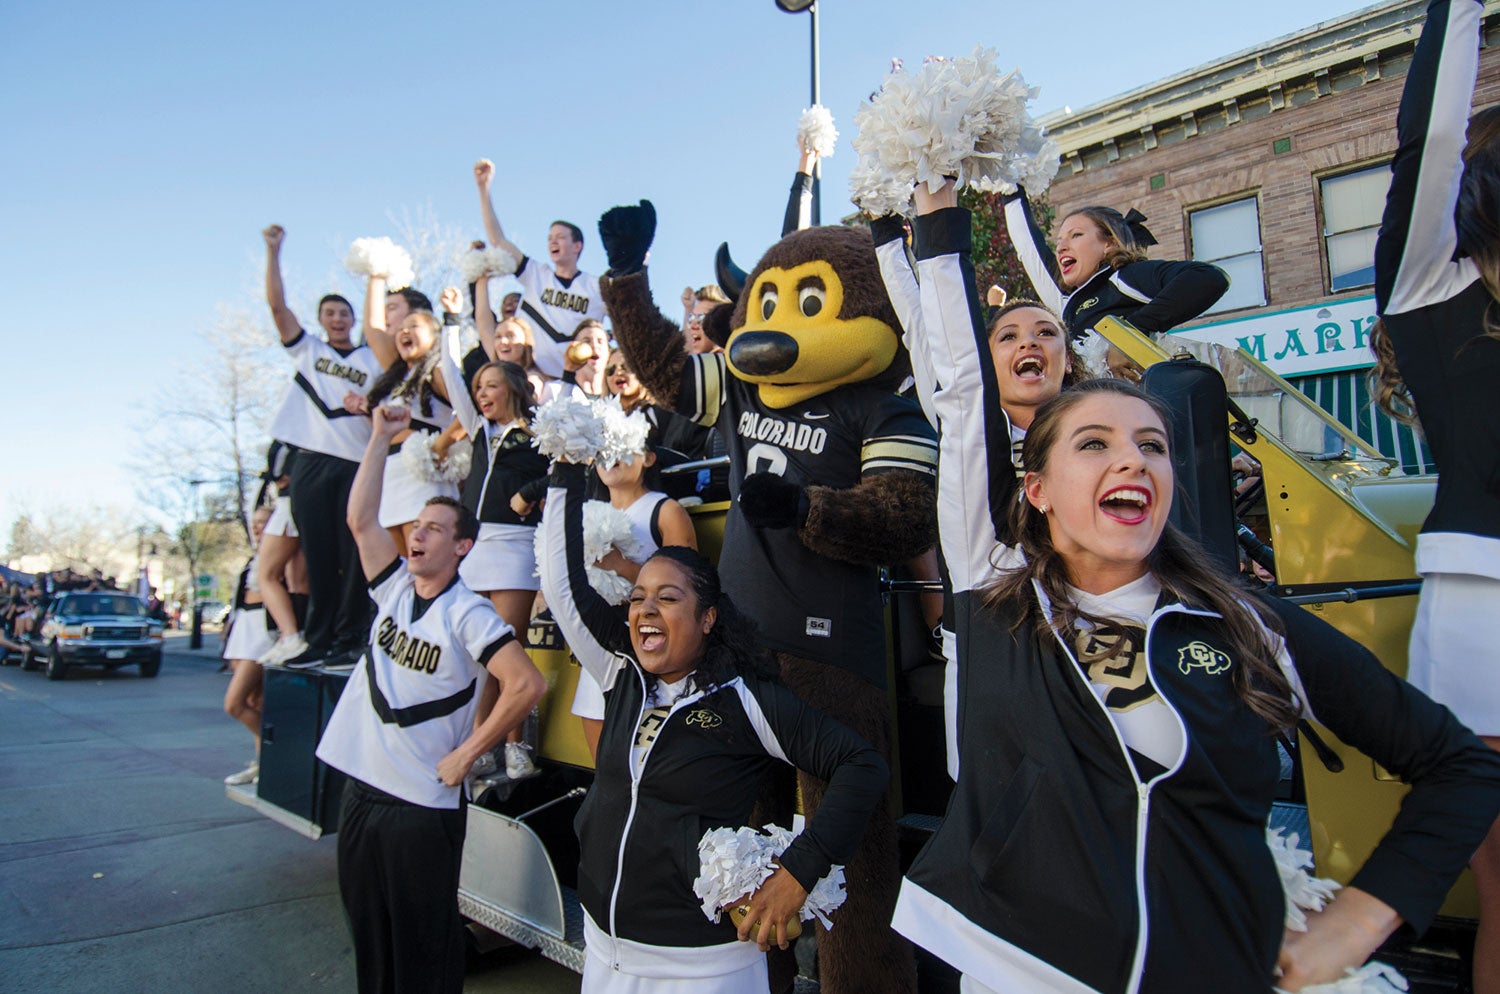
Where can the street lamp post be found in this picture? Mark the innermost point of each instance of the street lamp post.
(195, 638)
(811, 7)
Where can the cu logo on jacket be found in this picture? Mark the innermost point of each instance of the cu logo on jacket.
(1087, 304)
(704, 718)
(1201, 656)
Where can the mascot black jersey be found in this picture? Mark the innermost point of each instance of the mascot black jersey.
(807, 604)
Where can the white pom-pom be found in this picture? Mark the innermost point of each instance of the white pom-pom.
(422, 462)
(624, 435)
(816, 132)
(733, 862)
(1372, 978)
(566, 428)
(455, 468)
(380, 257)
(476, 264)
(605, 527)
(954, 117)
(1304, 892)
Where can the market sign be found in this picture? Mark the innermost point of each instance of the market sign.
(1323, 338)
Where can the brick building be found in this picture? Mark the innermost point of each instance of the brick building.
(1273, 164)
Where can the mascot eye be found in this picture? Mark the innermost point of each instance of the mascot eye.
(767, 304)
(810, 299)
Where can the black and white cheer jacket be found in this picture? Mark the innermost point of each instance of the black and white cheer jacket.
(1153, 295)
(640, 826)
(1057, 867)
(1434, 304)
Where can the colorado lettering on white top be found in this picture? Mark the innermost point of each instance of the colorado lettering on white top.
(407, 650)
(777, 431)
(330, 368)
(576, 302)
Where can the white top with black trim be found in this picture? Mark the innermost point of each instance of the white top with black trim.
(555, 306)
(412, 699)
(324, 375)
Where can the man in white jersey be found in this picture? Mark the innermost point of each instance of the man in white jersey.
(331, 438)
(404, 733)
(554, 298)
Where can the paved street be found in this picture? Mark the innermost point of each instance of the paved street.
(123, 867)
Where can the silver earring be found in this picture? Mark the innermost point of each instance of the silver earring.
(1044, 508)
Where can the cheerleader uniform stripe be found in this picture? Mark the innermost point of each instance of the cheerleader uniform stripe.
(702, 394)
(417, 713)
(899, 452)
(1414, 263)
(906, 299)
(972, 498)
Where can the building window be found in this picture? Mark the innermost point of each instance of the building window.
(1229, 237)
(1352, 205)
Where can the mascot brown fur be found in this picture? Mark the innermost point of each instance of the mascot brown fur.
(833, 476)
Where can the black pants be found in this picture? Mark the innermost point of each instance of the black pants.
(338, 611)
(398, 877)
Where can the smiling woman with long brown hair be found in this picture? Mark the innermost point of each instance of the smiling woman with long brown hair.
(1119, 705)
(694, 714)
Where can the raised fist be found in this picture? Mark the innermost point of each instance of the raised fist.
(273, 236)
(484, 171)
(451, 300)
(689, 298)
(627, 233)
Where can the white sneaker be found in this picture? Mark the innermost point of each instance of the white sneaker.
(250, 774)
(518, 764)
(285, 648)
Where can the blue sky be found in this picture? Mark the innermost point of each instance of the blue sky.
(148, 144)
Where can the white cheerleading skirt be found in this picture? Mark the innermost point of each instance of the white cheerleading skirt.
(588, 699)
(403, 495)
(248, 638)
(1452, 654)
(624, 967)
(280, 522)
(504, 558)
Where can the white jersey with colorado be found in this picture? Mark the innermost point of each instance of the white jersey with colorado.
(324, 375)
(555, 306)
(411, 701)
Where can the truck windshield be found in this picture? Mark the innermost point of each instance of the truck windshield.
(101, 604)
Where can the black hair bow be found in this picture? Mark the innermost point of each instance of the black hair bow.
(1136, 222)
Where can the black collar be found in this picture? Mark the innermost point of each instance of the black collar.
(420, 604)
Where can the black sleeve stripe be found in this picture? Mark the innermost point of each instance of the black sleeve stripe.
(489, 651)
(301, 334)
(542, 323)
(385, 574)
(312, 393)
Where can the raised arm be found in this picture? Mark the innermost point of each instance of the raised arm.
(976, 480)
(799, 203)
(1031, 248)
(449, 363)
(595, 631)
(380, 339)
(1414, 263)
(377, 550)
(906, 300)
(484, 175)
(287, 324)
